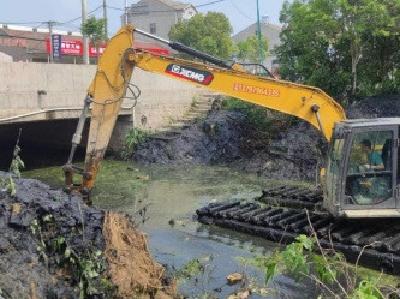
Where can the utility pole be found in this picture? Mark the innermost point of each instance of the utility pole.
(126, 12)
(105, 19)
(50, 26)
(85, 38)
(259, 37)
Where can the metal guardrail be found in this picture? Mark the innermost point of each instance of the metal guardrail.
(45, 111)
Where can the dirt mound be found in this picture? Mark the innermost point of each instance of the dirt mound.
(210, 141)
(226, 138)
(53, 246)
(375, 107)
(131, 267)
(295, 153)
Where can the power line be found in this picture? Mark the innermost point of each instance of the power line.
(38, 23)
(56, 23)
(171, 10)
(240, 11)
(79, 18)
(209, 3)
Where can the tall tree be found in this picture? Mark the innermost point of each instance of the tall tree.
(209, 32)
(95, 29)
(248, 49)
(326, 42)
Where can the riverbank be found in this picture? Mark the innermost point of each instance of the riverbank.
(163, 199)
(255, 140)
(54, 246)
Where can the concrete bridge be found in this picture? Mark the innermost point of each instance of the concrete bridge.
(46, 100)
(34, 92)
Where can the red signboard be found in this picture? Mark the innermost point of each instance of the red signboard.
(75, 48)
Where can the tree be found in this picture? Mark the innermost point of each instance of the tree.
(326, 43)
(248, 49)
(358, 20)
(95, 29)
(210, 33)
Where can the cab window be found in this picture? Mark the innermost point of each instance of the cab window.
(369, 172)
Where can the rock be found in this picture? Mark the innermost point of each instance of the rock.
(234, 278)
(240, 295)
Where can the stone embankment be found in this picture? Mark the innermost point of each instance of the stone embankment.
(54, 246)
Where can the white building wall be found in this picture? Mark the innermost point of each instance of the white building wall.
(148, 12)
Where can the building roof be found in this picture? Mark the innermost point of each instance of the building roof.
(270, 31)
(175, 4)
(29, 39)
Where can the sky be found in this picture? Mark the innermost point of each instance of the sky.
(241, 13)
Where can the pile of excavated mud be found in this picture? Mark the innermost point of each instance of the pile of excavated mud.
(226, 138)
(54, 246)
(375, 107)
(213, 140)
(295, 151)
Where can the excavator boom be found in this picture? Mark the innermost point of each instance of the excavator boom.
(305, 102)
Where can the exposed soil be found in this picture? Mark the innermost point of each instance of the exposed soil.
(130, 265)
(288, 150)
(53, 246)
(210, 141)
(375, 107)
(226, 138)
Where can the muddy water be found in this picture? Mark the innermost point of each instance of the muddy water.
(163, 200)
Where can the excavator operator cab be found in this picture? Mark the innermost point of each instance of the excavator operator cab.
(362, 177)
(257, 70)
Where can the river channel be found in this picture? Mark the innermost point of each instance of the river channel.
(163, 200)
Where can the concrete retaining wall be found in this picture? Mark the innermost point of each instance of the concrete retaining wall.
(21, 84)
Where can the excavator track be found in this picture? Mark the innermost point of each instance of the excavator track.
(293, 197)
(380, 244)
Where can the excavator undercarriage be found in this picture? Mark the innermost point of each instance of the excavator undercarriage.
(284, 212)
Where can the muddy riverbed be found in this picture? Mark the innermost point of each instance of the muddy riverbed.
(163, 200)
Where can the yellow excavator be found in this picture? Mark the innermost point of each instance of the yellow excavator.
(361, 179)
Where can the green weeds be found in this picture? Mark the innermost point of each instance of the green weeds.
(260, 118)
(15, 169)
(306, 259)
(134, 137)
(86, 268)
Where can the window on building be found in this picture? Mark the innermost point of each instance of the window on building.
(153, 28)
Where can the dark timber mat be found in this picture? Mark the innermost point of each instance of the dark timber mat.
(378, 239)
(293, 197)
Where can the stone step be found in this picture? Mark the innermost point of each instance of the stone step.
(168, 130)
(200, 109)
(177, 126)
(193, 114)
(166, 135)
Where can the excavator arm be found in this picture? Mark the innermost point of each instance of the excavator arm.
(114, 73)
(104, 99)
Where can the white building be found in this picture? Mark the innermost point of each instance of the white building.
(158, 16)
